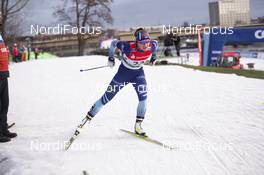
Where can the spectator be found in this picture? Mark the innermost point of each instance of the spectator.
(28, 51)
(36, 52)
(168, 42)
(187, 57)
(24, 53)
(176, 41)
(21, 51)
(5, 134)
(15, 53)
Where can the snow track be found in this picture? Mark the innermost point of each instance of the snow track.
(215, 120)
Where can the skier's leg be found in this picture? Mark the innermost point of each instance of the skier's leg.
(141, 109)
(118, 82)
(113, 88)
(96, 108)
(140, 86)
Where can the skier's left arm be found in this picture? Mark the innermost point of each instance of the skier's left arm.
(154, 49)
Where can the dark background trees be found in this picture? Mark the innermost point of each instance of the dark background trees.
(9, 9)
(84, 13)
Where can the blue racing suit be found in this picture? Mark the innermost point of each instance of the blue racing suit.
(130, 71)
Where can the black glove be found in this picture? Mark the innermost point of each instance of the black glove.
(152, 60)
(111, 61)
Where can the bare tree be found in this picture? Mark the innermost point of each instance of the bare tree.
(261, 19)
(14, 27)
(84, 13)
(8, 9)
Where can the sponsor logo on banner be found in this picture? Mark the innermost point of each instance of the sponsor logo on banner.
(216, 52)
(259, 34)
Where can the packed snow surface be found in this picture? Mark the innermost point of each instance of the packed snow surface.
(215, 121)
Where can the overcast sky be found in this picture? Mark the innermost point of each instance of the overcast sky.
(130, 13)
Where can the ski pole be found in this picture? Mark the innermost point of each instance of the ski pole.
(99, 67)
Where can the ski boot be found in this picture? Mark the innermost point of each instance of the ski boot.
(138, 129)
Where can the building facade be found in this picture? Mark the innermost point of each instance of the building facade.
(229, 12)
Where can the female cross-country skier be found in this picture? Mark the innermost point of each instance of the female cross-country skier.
(134, 54)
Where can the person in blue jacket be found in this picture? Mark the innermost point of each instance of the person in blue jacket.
(134, 54)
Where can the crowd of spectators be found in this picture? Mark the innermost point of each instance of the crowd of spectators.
(22, 52)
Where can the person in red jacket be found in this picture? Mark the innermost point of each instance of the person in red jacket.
(5, 134)
(15, 53)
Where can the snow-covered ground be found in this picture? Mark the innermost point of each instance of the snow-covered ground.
(215, 120)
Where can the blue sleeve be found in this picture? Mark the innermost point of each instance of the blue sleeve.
(154, 47)
(116, 44)
(112, 48)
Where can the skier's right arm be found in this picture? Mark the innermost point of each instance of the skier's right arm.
(116, 44)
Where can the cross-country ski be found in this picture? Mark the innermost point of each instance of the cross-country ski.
(148, 139)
